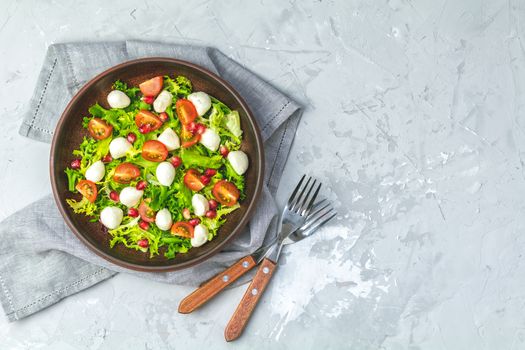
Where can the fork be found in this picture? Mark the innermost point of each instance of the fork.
(294, 215)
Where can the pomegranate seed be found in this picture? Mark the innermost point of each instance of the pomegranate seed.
(210, 172)
(143, 243)
(133, 212)
(176, 161)
(131, 137)
(144, 129)
(194, 222)
(164, 117)
(107, 158)
(148, 99)
(113, 195)
(213, 204)
(200, 128)
(224, 151)
(143, 225)
(205, 179)
(186, 213)
(75, 164)
(141, 185)
(211, 214)
(191, 127)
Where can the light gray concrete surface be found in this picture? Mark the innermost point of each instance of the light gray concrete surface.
(415, 118)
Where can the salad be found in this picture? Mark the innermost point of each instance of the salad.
(161, 168)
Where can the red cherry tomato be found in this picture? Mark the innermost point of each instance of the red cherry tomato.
(226, 193)
(188, 137)
(146, 213)
(125, 173)
(88, 189)
(151, 87)
(183, 229)
(185, 111)
(154, 151)
(147, 121)
(192, 180)
(99, 129)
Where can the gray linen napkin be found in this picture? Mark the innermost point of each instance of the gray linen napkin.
(41, 260)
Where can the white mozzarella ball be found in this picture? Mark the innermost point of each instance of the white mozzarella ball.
(210, 139)
(111, 217)
(201, 101)
(170, 139)
(200, 204)
(130, 196)
(163, 219)
(200, 235)
(162, 102)
(96, 171)
(165, 173)
(118, 147)
(118, 99)
(238, 161)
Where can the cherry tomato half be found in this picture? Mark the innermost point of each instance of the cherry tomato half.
(154, 151)
(146, 213)
(185, 111)
(147, 119)
(125, 173)
(99, 129)
(192, 180)
(225, 193)
(88, 189)
(183, 229)
(151, 87)
(188, 137)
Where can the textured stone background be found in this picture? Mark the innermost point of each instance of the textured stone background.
(415, 120)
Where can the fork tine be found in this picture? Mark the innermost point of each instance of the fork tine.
(306, 210)
(316, 218)
(299, 199)
(318, 224)
(304, 199)
(317, 208)
(319, 203)
(292, 196)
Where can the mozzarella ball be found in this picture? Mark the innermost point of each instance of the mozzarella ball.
(163, 219)
(170, 139)
(200, 204)
(111, 217)
(238, 161)
(162, 102)
(96, 171)
(201, 101)
(130, 196)
(118, 99)
(165, 173)
(200, 235)
(210, 139)
(118, 147)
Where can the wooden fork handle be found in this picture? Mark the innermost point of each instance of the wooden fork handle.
(249, 300)
(209, 289)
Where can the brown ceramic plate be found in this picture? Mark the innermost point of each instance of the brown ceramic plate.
(69, 134)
